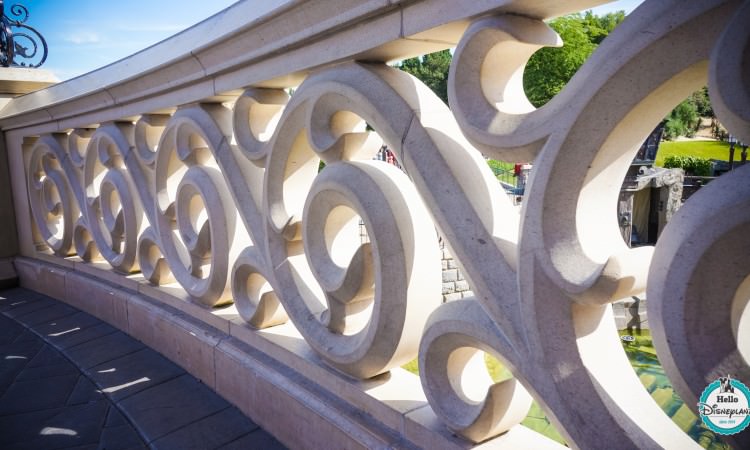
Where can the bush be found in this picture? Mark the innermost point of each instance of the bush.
(692, 165)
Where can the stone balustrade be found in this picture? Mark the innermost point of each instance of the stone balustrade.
(177, 195)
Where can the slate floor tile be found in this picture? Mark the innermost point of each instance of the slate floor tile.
(102, 349)
(202, 434)
(14, 358)
(257, 440)
(34, 395)
(74, 337)
(27, 336)
(85, 392)
(19, 292)
(25, 350)
(23, 427)
(47, 356)
(72, 426)
(171, 405)
(47, 403)
(65, 325)
(115, 418)
(21, 307)
(9, 330)
(46, 315)
(133, 373)
(12, 298)
(47, 371)
(121, 437)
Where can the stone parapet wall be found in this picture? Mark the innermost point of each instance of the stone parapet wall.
(259, 373)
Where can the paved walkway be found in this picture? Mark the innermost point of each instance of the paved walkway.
(69, 380)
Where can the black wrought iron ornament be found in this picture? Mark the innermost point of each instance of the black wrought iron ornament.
(20, 45)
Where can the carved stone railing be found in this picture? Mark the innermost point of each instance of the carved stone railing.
(160, 190)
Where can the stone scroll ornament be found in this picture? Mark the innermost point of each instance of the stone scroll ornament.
(231, 204)
(551, 324)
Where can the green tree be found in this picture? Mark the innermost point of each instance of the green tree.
(550, 69)
(682, 121)
(599, 27)
(432, 69)
(702, 103)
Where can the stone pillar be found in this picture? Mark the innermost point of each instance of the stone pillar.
(13, 82)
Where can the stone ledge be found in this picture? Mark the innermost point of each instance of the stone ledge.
(20, 80)
(271, 375)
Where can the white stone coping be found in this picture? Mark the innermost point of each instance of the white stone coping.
(21, 80)
(268, 43)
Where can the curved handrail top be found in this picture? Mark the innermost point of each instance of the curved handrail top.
(270, 43)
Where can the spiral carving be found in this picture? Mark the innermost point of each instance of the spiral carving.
(358, 293)
(112, 214)
(53, 206)
(572, 259)
(485, 87)
(193, 219)
(254, 296)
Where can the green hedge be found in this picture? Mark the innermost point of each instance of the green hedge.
(692, 165)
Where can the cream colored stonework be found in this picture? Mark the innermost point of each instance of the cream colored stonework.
(177, 195)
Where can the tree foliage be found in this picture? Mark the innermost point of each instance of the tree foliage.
(599, 27)
(682, 121)
(432, 69)
(550, 69)
(702, 103)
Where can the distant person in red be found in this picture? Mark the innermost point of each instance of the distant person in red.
(521, 172)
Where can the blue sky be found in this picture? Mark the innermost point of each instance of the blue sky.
(84, 35)
(620, 5)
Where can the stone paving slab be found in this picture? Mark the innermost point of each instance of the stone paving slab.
(37, 394)
(165, 408)
(26, 306)
(45, 315)
(132, 373)
(200, 435)
(9, 330)
(255, 440)
(106, 348)
(68, 380)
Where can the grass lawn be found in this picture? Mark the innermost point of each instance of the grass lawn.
(702, 149)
